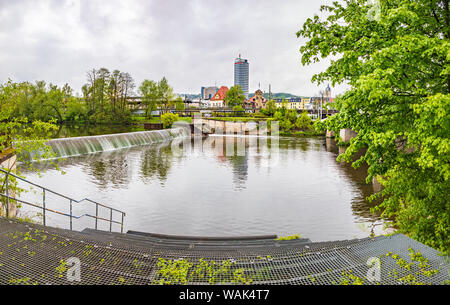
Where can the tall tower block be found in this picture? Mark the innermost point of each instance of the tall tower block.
(241, 73)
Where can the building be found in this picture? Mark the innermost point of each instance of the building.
(296, 103)
(208, 92)
(218, 99)
(192, 103)
(258, 101)
(241, 67)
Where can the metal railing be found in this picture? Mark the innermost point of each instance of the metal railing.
(71, 202)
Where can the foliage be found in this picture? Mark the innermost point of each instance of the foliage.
(237, 110)
(18, 134)
(106, 95)
(37, 101)
(234, 96)
(271, 107)
(158, 95)
(237, 119)
(303, 122)
(286, 119)
(168, 119)
(150, 92)
(179, 104)
(397, 67)
(291, 237)
(181, 271)
(166, 93)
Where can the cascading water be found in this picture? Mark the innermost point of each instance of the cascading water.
(66, 147)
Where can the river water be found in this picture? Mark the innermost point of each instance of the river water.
(298, 188)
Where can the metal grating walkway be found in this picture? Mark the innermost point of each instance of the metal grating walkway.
(34, 254)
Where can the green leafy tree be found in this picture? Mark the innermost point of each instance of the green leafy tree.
(271, 107)
(20, 136)
(106, 95)
(303, 121)
(150, 96)
(179, 104)
(395, 58)
(234, 96)
(291, 115)
(165, 93)
(75, 110)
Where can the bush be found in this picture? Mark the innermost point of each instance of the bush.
(237, 109)
(286, 125)
(291, 115)
(168, 119)
(303, 122)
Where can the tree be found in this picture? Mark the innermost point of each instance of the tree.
(234, 96)
(150, 96)
(106, 95)
(397, 67)
(179, 104)
(165, 93)
(303, 121)
(20, 135)
(270, 109)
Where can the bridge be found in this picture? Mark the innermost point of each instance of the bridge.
(135, 103)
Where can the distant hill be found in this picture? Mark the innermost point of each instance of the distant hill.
(280, 95)
(266, 95)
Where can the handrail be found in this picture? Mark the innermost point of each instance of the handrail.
(71, 216)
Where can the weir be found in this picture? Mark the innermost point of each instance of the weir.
(66, 147)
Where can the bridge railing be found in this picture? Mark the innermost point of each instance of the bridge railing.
(5, 193)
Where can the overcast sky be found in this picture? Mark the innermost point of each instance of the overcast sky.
(192, 43)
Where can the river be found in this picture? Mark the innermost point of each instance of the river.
(298, 188)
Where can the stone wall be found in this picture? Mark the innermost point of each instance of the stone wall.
(346, 134)
(215, 126)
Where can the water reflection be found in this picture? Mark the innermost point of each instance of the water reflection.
(284, 186)
(111, 171)
(360, 205)
(155, 162)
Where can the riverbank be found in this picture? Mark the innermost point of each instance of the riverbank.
(302, 133)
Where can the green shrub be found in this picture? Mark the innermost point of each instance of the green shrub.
(237, 109)
(303, 122)
(286, 125)
(168, 119)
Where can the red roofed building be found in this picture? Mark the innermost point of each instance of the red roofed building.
(257, 101)
(218, 99)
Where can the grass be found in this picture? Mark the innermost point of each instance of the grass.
(301, 133)
(155, 119)
(236, 119)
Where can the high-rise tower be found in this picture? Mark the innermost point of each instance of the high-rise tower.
(241, 74)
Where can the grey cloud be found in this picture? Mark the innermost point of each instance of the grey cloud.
(192, 43)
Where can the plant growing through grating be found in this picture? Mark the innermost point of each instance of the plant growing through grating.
(182, 271)
(296, 236)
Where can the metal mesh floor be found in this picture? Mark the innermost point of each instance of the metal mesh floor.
(33, 254)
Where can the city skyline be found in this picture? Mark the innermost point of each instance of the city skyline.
(190, 43)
